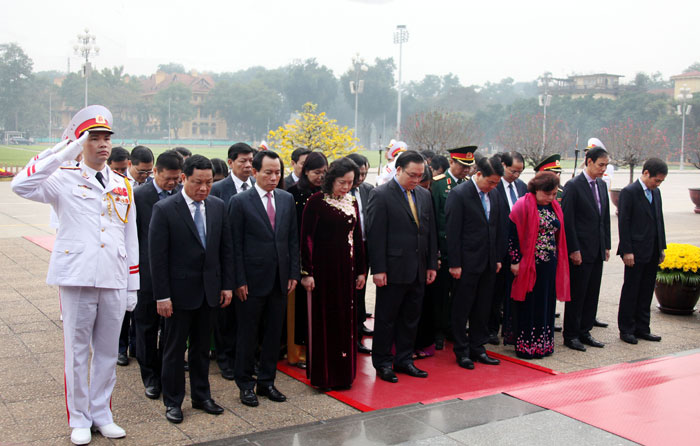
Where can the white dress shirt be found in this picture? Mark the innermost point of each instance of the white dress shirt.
(486, 197)
(506, 185)
(262, 192)
(239, 183)
(192, 208)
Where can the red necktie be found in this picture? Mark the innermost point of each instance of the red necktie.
(270, 210)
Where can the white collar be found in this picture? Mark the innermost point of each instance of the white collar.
(188, 200)
(238, 182)
(262, 192)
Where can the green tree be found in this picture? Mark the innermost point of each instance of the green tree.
(173, 105)
(308, 81)
(15, 81)
(172, 68)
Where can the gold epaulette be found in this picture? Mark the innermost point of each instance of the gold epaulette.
(120, 174)
(69, 168)
(439, 177)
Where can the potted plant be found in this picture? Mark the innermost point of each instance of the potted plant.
(678, 279)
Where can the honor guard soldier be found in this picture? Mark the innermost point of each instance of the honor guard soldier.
(552, 164)
(94, 263)
(461, 159)
(392, 152)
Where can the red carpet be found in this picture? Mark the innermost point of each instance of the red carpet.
(446, 381)
(45, 241)
(653, 402)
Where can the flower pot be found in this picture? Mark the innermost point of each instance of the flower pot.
(615, 198)
(677, 298)
(695, 197)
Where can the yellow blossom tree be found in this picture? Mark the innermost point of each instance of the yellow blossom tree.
(316, 132)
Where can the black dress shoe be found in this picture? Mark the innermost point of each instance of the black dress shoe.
(152, 392)
(212, 354)
(209, 406)
(228, 374)
(628, 338)
(366, 331)
(485, 359)
(465, 363)
(439, 343)
(248, 398)
(493, 340)
(590, 340)
(411, 370)
(649, 337)
(575, 344)
(173, 414)
(557, 314)
(271, 393)
(387, 374)
(557, 328)
(368, 315)
(122, 359)
(597, 323)
(362, 349)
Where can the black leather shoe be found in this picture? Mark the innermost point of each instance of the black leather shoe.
(557, 328)
(271, 393)
(152, 392)
(493, 340)
(362, 349)
(590, 340)
(439, 344)
(368, 315)
(557, 314)
(122, 359)
(248, 398)
(387, 374)
(597, 323)
(228, 374)
(209, 406)
(173, 414)
(411, 370)
(575, 344)
(628, 338)
(485, 359)
(366, 331)
(649, 337)
(465, 363)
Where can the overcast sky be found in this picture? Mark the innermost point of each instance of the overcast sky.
(478, 41)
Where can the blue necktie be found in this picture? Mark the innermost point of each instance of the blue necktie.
(648, 194)
(163, 195)
(483, 203)
(199, 223)
(513, 197)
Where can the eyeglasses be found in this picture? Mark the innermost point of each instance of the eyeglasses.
(144, 172)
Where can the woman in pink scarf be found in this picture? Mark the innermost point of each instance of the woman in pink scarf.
(539, 262)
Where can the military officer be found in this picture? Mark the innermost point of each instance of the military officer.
(392, 152)
(438, 293)
(552, 164)
(94, 262)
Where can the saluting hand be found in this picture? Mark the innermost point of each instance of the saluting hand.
(225, 299)
(165, 308)
(242, 293)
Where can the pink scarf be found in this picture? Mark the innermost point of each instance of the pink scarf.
(527, 220)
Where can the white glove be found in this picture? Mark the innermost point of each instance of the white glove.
(58, 147)
(131, 300)
(74, 149)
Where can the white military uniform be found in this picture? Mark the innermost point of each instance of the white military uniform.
(95, 262)
(393, 150)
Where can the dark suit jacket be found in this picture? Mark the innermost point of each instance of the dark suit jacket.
(289, 181)
(586, 230)
(181, 268)
(226, 188)
(640, 223)
(260, 253)
(364, 189)
(479, 243)
(521, 189)
(396, 245)
(145, 197)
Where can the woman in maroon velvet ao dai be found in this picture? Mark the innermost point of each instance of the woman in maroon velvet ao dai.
(332, 257)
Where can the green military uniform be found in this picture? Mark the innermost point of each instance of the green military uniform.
(552, 164)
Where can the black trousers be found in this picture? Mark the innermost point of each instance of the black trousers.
(194, 324)
(127, 334)
(225, 327)
(149, 353)
(268, 311)
(396, 314)
(472, 302)
(580, 311)
(635, 300)
(501, 297)
(441, 296)
(360, 301)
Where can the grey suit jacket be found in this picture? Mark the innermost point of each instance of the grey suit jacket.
(260, 252)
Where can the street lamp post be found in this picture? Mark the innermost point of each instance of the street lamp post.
(85, 48)
(358, 85)
(400, 37)
(545, 100)
(683, 109)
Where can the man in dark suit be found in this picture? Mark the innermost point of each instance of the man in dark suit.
(402, 242)
(298, 157)
(474, 229)
(191, 258)
(642, 245)
(587, 225)
(266, 252)
(240, 158)
(146, 318)
(509, 189)
(361, 191)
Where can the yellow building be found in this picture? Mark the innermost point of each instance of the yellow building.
(599, 85)
(690, 79)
